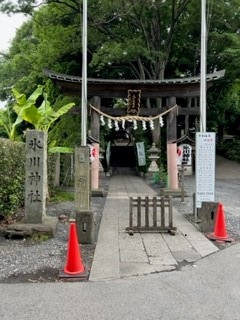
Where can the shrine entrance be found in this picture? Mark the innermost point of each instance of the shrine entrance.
(123, 157)
(180, 96)
(122, 152)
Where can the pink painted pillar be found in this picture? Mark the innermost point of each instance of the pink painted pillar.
(172, 145)
(172, 166)
(95, 169)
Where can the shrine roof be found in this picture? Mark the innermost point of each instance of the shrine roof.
(180, 87)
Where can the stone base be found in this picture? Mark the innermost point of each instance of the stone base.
(193, 219)
(175, 193)
(83, 276)
(98, 193)
(85, 223)
(207, 215)
(150, 174)
(47, 228)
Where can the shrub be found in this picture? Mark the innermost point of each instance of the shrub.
(12, 176)
(160, 177)
(230, 149)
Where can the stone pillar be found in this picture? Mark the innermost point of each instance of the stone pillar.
(36, 176)
(85, 218)
(82, 178)
(57, 170)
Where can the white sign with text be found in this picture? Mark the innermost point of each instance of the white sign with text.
(141, 153)
(205, 167)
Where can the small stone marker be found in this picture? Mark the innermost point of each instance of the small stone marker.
(207, 215)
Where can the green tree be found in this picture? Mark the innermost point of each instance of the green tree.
(126, 39)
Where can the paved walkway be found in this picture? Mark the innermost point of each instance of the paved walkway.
(119, 255)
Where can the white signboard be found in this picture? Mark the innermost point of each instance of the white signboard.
(141, 153)
(205, 167)
(184, 152)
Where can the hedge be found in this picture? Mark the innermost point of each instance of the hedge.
(12, 176)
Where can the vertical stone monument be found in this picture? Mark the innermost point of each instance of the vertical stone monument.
(35, 219)
(82, 178)
(85, 220)
(36, 176)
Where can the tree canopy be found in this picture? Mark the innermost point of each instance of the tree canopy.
(145, 39)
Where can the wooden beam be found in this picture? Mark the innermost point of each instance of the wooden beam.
(115, 90)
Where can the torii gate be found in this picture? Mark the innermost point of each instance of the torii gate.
(170, 89)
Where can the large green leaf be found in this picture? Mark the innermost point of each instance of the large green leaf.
(35, 95)
(49, 115)
(64, 109)
(31, 115)
(20, 97)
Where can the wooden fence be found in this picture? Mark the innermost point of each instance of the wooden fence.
(151, 215)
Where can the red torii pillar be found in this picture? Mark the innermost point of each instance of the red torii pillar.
(172, 145)
(95, 133)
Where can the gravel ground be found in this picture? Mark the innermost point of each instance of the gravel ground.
(227, 192)
(28, 260)
(25, 260)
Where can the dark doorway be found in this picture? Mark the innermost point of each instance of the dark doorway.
(123, 156)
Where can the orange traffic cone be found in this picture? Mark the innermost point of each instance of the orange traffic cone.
(74, 267)
(220, 232)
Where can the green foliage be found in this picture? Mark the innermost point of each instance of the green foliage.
(141, 39)
(36, 237)
(51, 165)
(12, 176)
(61, 195)
(160, 177)
(41, 118)
(6, 124)
(230, 149)
(66, 174)
(66, 133)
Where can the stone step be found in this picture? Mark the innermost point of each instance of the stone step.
(124, 171)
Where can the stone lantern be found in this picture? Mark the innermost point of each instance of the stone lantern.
(153, 157)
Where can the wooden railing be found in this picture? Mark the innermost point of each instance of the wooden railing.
(151, 215)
